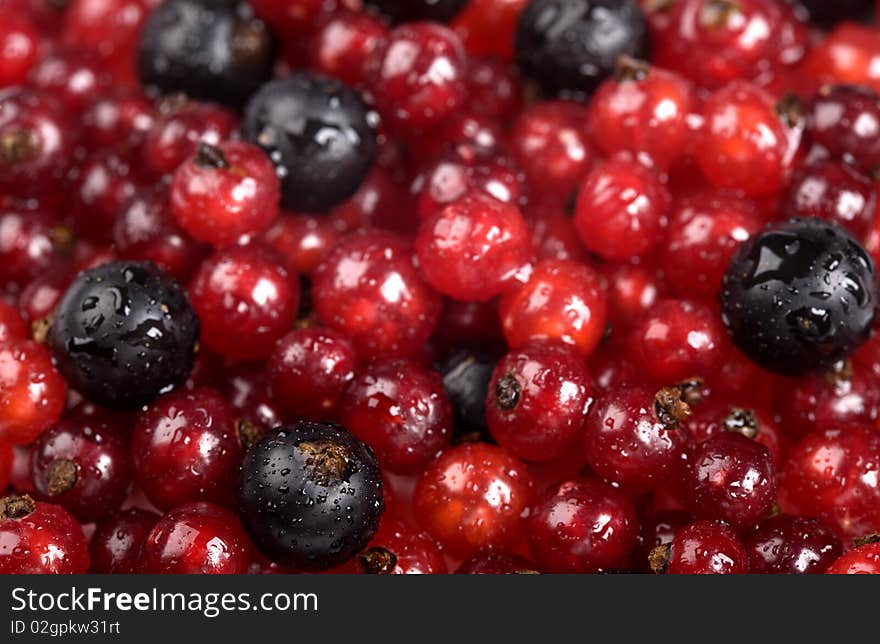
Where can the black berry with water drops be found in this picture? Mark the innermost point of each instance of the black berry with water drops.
(799, 296)
(411, 10)
(466, 371)
(320, 135)
(310, 495)
(123, 334)
(570, 46)
(214, 50)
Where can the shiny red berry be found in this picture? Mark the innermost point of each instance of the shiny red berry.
(19, 48)
(39, 538)
(343, 43)
(703, 548)
(116, 545)
(398, 549)
(791, 545)
(32, 392)
(863, 560)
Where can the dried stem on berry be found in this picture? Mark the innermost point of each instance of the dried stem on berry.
(248, 433)
(61, 476)
(327, 463)
(377, 561)
(866, 540)
(790, 109)
(718, 13)
(210, 157)
(16, 507)
(658, 559)
(507, 392)
(670, 408)
(631, 69)
(839, 373)
(17, 146)
(742, 421)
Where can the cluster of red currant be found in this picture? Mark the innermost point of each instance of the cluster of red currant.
(412, 286)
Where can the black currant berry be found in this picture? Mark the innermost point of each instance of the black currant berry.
(310, 495)
(320, 135)
(123, 334)
(799, 296)
(570, 46)
(411, 10)
(466, 372)
(214, 50)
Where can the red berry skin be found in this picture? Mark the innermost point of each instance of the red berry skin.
(643, 111)
(581, 526)
(488, 27)
(621, 210)
(7, 459)
(832, 474)
(490, 562)
(404, 78)
(789, 545)
(401, 411)
(473, 248)
(717, 415)
(116, 545)
(846, 58)
(415, 553)
(246, 389)
(226, 192)
(658, 530)
(196, 538)
(678, 340)
(245, 300)
(730, 478)
(303, 241)
(562, 301)
(120, 119)
(30, 245)
(32, 392)
(550, 143)
(40, 538)
(707, 548)
(834, 192)
(74, 77)
(864, 560)
(11, 325)
(537, 400)
(19, 48)
(101, 185)
(632, 290)
(628, 446)
(343, 43)
(743, 144)
(845, 120)
(494, 89)
(99, 457)
(369, 289)
(703, 233)
(309, 370)
(185, 448)
(473, 496)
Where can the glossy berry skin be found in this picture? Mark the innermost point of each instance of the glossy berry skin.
(789, 545)
(835, 192)
(629, 444)
(196, 538)
(707, 548)
(494, 87)
(562, 301)
(19, 48)
(537, 401)
(717, 415)
(39, 538)
(632, 290)
(412, 10)
(677, 340)
(178, 131)
(832, 475)
(466, 370)
(550, 142)
(73, 77)
(31, 244)
(226, 192)
(401, 411)
(32, 392)
(487, 27)
(310, 495)
(145, 230)
(730, 478)
(657, 530)
(473, 496)
(7, 460)
(213, 51)
(621, 210)
(368, 289)
(408, 92)
(244, 292)
(398, 549)
(743, 144)
(116, 545)
(863, 560)
(185, 448)
(11, 325)
(37, 139)
(845, 120)
(124, 333)
(309, 370)
(83, 465)
(490, 562)
(643, 110)
(570, 46)
(318, 133)
(473, 248)
(581, 526)
(302, 240)
(343, 44)
(704, 232)
(799, 296)
(120, 119)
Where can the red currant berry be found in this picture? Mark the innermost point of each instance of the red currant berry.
(73, 77)
(582, 526)
(702, 548)
(247, 390)
(398, 549)
(632, 290)
(717, 415)
(120, 120)
(101, 185)
(494, 88)
(32, 392)
(487, 27)
(117, 542)
(658, 530)
(303, 241)
(537, 400)
(790, 545)
(39, 538)
(185, 448)
(849, 55)
(562, 301)
(245, 301)
(196, 538)
(368, 288)
(19, 48)
(474, 496)
(845, 120)
(621, 210)
(12, 327)
(225, 192)
(863, 560)
(343, 43)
